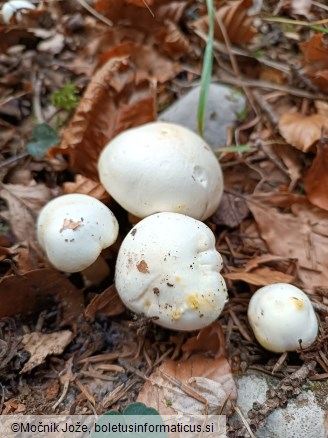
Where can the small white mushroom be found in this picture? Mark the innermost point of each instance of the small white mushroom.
(282, 317)
(162, 167)
(14, 8)
(73, 230)
(168, 268)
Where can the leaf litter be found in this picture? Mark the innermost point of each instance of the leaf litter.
(271, 225)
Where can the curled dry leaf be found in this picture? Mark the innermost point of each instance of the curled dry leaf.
(260, 276)
(315, 52)
(231, 212)
(316, 179)
(38, 290)
(113, 102)
(86, 186)
(187, 386)
(302, 131)
(11, 36)
(210, 340)
(235, 18)
(40, 345)
(108, 303)
(302, 234)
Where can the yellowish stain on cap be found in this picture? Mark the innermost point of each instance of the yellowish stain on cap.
(193, 301)
(298, 303)
(176, 315)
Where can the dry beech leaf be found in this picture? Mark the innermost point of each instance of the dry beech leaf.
(260, 276)
(40, 345)
(315, 52)
(316, 179)
(38, 290)
(210, 339)
(264, 259)
(108, 303)
(182, 387)
(86, 186)
(235, 18)
(112, 103)
(300, 234)
(302, 131)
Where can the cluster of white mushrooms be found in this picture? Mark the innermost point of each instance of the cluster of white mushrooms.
(167, 267)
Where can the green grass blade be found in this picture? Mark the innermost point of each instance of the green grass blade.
(206, 70)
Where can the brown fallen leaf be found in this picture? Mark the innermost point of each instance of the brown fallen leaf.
(113, 102)
(316, 179)
(265, 259)
(13, 35)
(186, 386)
(316, 60)
(260, 276)
(40, 345)
(24, 204)
(299, 234)
(108, 303)
(302, 131)
(210, 339)
(235, 18)
(231, 212)
(86, 186)
(38, 290)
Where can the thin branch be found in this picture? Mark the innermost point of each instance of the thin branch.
(96, 14)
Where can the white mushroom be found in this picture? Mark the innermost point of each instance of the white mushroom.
(282, 317)
(74, 229)
(168, 268)
(162, 167)
(14, 8)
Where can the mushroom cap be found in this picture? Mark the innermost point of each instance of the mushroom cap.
(280, 315)
(162, 167)
(168, 268)
(12, 7)
(73, 230)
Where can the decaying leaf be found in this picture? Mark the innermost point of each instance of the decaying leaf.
(86, 186)
(231, 212)
(316, 179)
(113, 102)
(10, 36)
(108, 303)
(260, 276)
(24, 203)
(38, 290)
(315, 52)
(300, 234)
(302, 131)
(210, 340)
(235, 18)
(190, 386)
(40, 345)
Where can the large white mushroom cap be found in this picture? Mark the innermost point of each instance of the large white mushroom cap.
(281, 316)
(74, 229)
(162, 167)
(168, 267)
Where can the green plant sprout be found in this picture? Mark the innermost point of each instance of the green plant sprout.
(67, 98)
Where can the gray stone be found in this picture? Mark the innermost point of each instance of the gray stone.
(304, 416)
(223, 106)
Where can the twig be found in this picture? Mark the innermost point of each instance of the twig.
(96, 14)
(148, 7)
(243, 419)
(13, 160)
